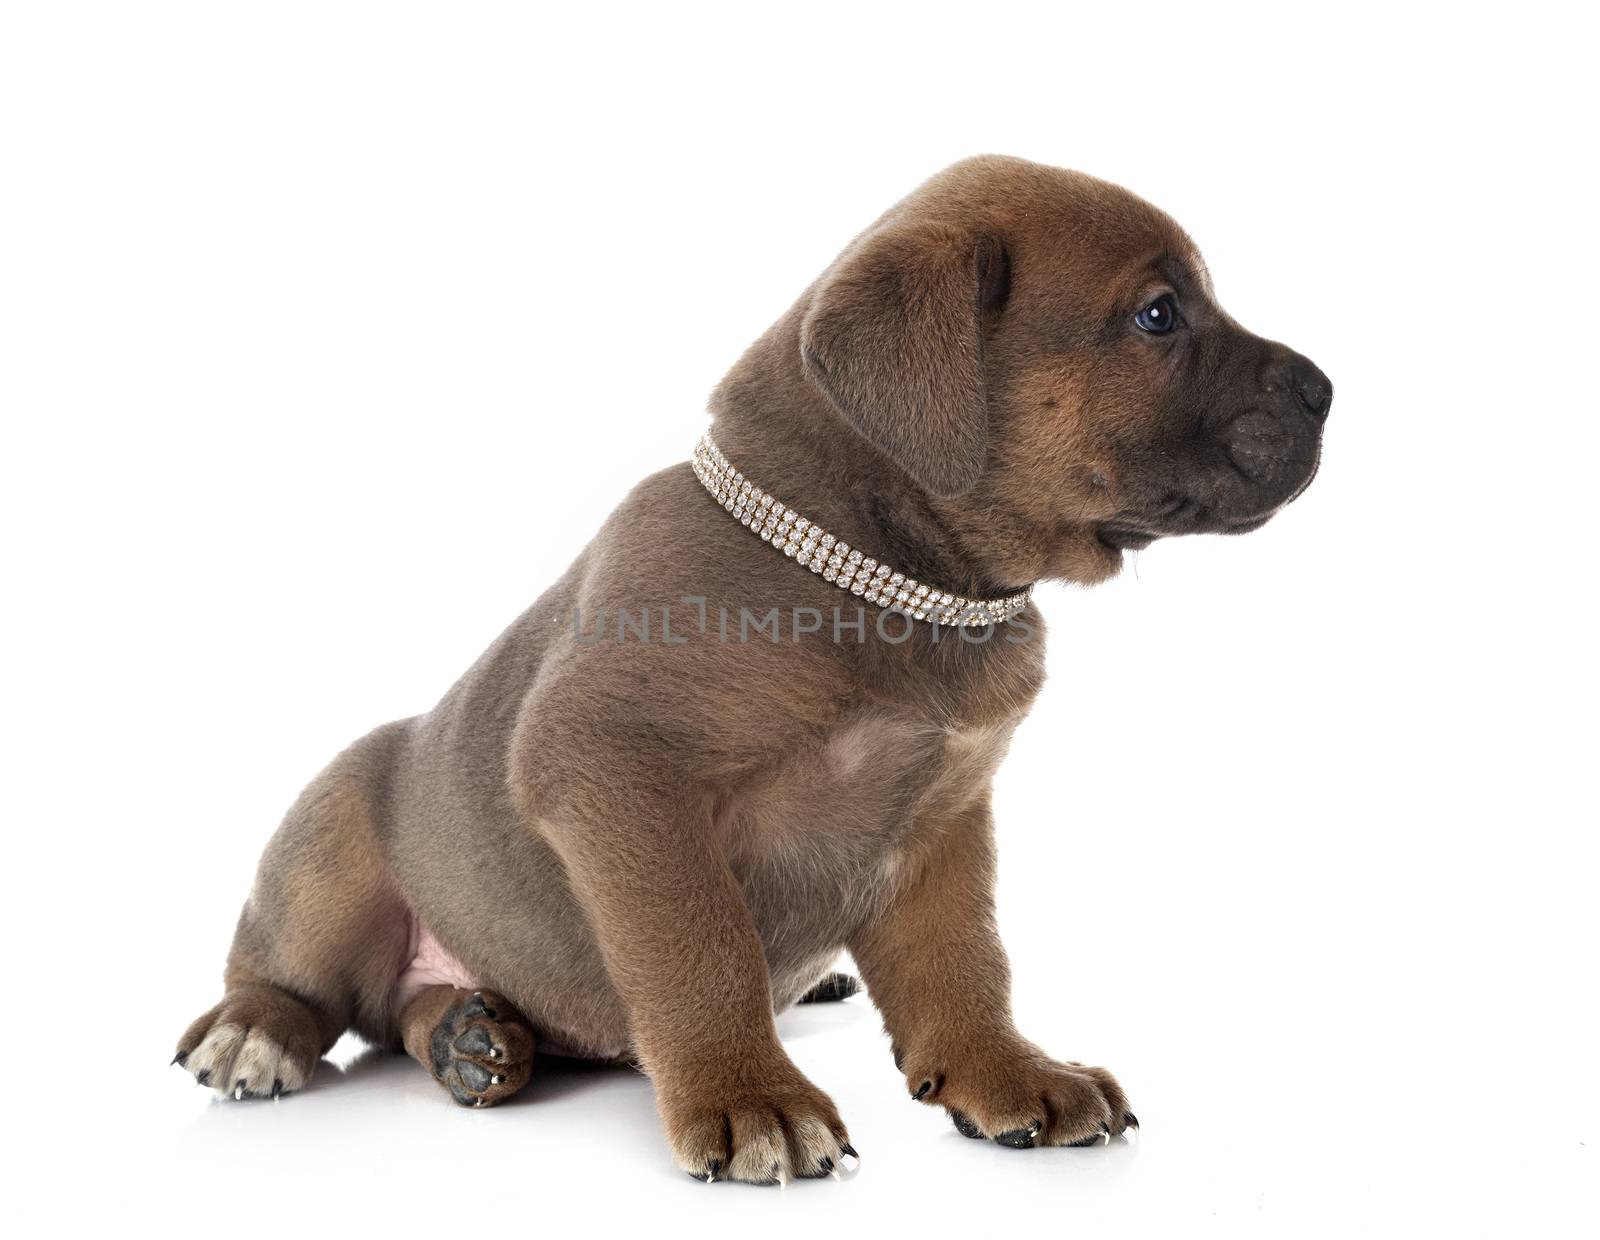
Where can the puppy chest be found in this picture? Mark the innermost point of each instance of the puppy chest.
(829, 825)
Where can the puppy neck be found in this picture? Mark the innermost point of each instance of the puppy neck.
(783, 433)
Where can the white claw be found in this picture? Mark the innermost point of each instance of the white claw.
(1107, 1137)
(238, 1092)
(496, 1080)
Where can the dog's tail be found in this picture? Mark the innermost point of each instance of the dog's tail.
(831, 989)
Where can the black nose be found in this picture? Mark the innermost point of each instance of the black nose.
(1311, 388)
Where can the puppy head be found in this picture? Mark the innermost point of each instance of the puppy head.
(1041, 353)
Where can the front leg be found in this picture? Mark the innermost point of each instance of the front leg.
(934, 965)
(681, 947)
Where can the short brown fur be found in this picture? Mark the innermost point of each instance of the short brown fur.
(645, 848)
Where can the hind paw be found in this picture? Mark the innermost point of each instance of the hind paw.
(481, 1048)
(257, 1043)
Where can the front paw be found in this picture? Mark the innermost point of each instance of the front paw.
(780, 1129)
(1018, 1096)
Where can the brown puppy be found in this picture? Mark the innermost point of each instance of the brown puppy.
(671, 792)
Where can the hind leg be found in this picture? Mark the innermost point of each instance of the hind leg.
(320, 941)
(474, 1042)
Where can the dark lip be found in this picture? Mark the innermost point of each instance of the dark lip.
(1120, 536)
(1124, 537)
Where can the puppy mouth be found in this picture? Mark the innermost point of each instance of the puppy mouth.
(1176, 517)
(1119, 537)
(1173, 514)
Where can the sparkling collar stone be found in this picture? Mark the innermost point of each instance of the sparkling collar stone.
(848, 568)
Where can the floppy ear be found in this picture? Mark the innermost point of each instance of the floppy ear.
(894, 337)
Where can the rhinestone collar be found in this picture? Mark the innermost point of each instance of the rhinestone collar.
(809, 544)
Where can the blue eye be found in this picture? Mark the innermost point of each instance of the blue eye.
(1158, 317)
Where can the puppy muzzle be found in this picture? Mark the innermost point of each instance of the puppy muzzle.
(1236, 473)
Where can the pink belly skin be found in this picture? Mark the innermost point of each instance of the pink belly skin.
(429, 965)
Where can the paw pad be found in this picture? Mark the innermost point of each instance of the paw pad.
(477, 1054)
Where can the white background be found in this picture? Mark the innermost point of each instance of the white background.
(330, 332)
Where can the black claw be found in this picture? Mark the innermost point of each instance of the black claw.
(826, 1164)
(1105, 1131)
(1017, 1138)
(922, 1091)
(203, 1077)
(716, 1167)
(849, 1149)
(179, 1057)
(1130, 1120)
(1087, 1141)
(277, 1087)
(965, 1126)
(474, 1041)
(475, 1006)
